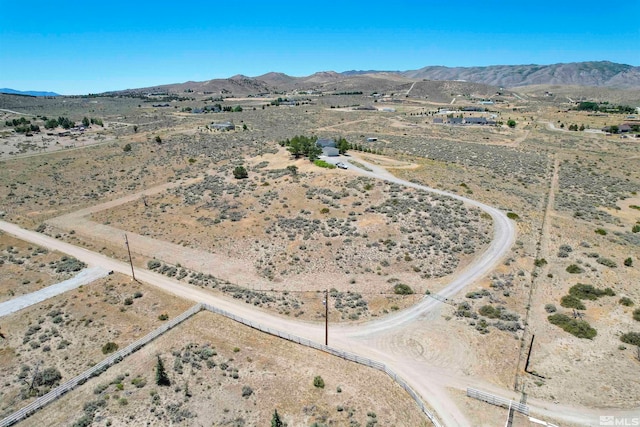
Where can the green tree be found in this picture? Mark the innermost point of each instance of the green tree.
(295, 148)
(313, 151)
(613, 129)
(158, 139)
(511, 123)
(275, 420)
(237, 109)
(240, 172)
(51, 124)
(628, 262)
(343, 146)
(162, 378)
(85, 122)
(126, 148)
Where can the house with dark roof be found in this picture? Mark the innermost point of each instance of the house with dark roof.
(454, 121)
(474, 121)
(325, 142)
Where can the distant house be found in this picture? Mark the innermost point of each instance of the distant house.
(222, 126)
(372, 139)
(438, 121)
(624, 128)
(474, 121)
(454, 121)
(322, 143)
(330, 152)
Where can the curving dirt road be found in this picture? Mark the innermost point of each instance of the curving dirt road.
(393, 340)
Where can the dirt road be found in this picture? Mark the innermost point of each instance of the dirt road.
(385, 340)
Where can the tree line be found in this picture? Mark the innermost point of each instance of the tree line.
(605, 107)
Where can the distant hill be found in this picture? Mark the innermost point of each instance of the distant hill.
(27, 92)
(602, 73)
(588, 74)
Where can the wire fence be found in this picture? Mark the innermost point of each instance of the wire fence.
(498, 401)
(95, 370)
(118, 356)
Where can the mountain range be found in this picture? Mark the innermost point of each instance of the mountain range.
(603, 74)
(595, 74)
(27, 92)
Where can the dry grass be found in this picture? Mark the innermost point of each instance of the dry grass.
(279, 373)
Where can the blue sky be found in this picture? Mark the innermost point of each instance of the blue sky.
(83, 47)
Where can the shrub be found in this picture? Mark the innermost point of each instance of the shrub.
(575, 269)
(323, 164)
(550, 308)
(128, 301)
(540, 262)
(153, 264)
(606, 262)
(137, 294)
(632, 338)
(583, 291)
(636, 228)
(163, 316)
(628, 262)
(158, 139)
(239, 172)
(570, 301)
(601, 231)
(512, 215)
(109, 347)
(489, 311)
(578, 328)
(402, 289)
(247, 391)
(636, 314)
(318, 382)
(126, 148)
(47, 377)
(626, 301)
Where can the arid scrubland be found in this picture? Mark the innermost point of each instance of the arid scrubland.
(573, 195)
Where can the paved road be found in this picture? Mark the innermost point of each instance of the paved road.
(85, 277)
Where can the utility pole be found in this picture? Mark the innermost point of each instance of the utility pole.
(126, 241)
(326, 317)
(526, 366)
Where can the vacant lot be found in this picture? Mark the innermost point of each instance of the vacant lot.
(232, 375)
(67, 333)
(26, 268)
